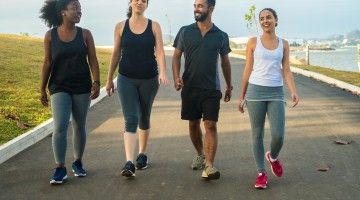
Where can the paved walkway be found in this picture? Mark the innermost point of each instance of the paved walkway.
(325, 114)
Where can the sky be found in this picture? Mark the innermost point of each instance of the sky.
(297, 19)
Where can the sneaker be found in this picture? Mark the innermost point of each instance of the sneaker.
(276, 167)
(198, 162)
(59, 176)
(78, 169)
(141, 161)
(210, 173)
(128, 170)
(261, 181)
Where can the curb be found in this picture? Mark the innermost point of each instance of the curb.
(340, 84)
(33, 136)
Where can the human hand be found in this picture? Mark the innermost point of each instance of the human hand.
(227, 96)
(95, 90)
(163, 79)
(43, 98)
(295, 99)
(178, 83)
(241, 105)
(110, 87)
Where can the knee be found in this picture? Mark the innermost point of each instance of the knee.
(210, 126)
(144, 124)
(194, 124)
(60, 128)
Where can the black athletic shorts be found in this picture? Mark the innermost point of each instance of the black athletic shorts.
(200, 103)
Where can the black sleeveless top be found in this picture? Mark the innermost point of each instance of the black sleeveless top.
(69, 67)
(137, 55)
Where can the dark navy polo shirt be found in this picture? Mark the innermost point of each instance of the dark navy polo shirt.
(202, 55)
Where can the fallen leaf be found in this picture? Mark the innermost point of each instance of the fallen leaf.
(342, 142)
(22, 125)
(324, 169)
(11, 116)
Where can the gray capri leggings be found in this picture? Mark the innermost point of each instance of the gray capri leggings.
(63, 106)
(136, 99)
(262, 101)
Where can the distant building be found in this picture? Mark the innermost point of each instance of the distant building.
(295, 42)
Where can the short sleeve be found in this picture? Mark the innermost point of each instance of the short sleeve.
(225, 48)
(179, 40)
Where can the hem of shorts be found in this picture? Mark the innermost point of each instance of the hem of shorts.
(265, 100)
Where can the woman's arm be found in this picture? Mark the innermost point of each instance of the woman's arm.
(115, 57)
(250, 47)
(160, 54)
(287, 74)
(94, 65)
(45, 72)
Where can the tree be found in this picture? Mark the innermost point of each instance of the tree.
(251, 21)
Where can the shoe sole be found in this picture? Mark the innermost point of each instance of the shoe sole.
(260, 187)
(53, 182)
(267, 156)
(142, 168)
(78, 175)
(213, 176)
(127, 173)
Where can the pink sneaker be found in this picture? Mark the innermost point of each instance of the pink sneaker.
(276, 167)
(261, 181)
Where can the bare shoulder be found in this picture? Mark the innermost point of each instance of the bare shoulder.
(120, 25)
(252, 42)
(155, 24)
(86, 32)
(285, 44)
(48, 35)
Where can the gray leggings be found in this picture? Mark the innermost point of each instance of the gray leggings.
(276, 114)
(136, 99)
(63, 105)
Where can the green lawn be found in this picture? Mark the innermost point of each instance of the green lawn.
(346, 76)
(21, 60)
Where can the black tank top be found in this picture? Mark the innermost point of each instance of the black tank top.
(137, 57)
(69, 67)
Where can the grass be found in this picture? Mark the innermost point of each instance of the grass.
(21, 60)
(346, 76)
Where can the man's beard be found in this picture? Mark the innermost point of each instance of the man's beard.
(202, 17)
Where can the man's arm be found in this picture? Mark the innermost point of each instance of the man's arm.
(176, 65)
(226, 69)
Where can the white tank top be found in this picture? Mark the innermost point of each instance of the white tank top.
(267, 65)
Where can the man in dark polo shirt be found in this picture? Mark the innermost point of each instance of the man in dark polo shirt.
(202, 43)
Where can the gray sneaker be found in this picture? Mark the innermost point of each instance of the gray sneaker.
(210, 173)
(198, 162)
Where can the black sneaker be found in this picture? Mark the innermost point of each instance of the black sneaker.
(128, 170)
(141, 161)
(78, 169)
(59, 176)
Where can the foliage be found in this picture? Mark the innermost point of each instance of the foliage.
(250, 19)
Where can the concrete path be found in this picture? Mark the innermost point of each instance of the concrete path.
(325, 114)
